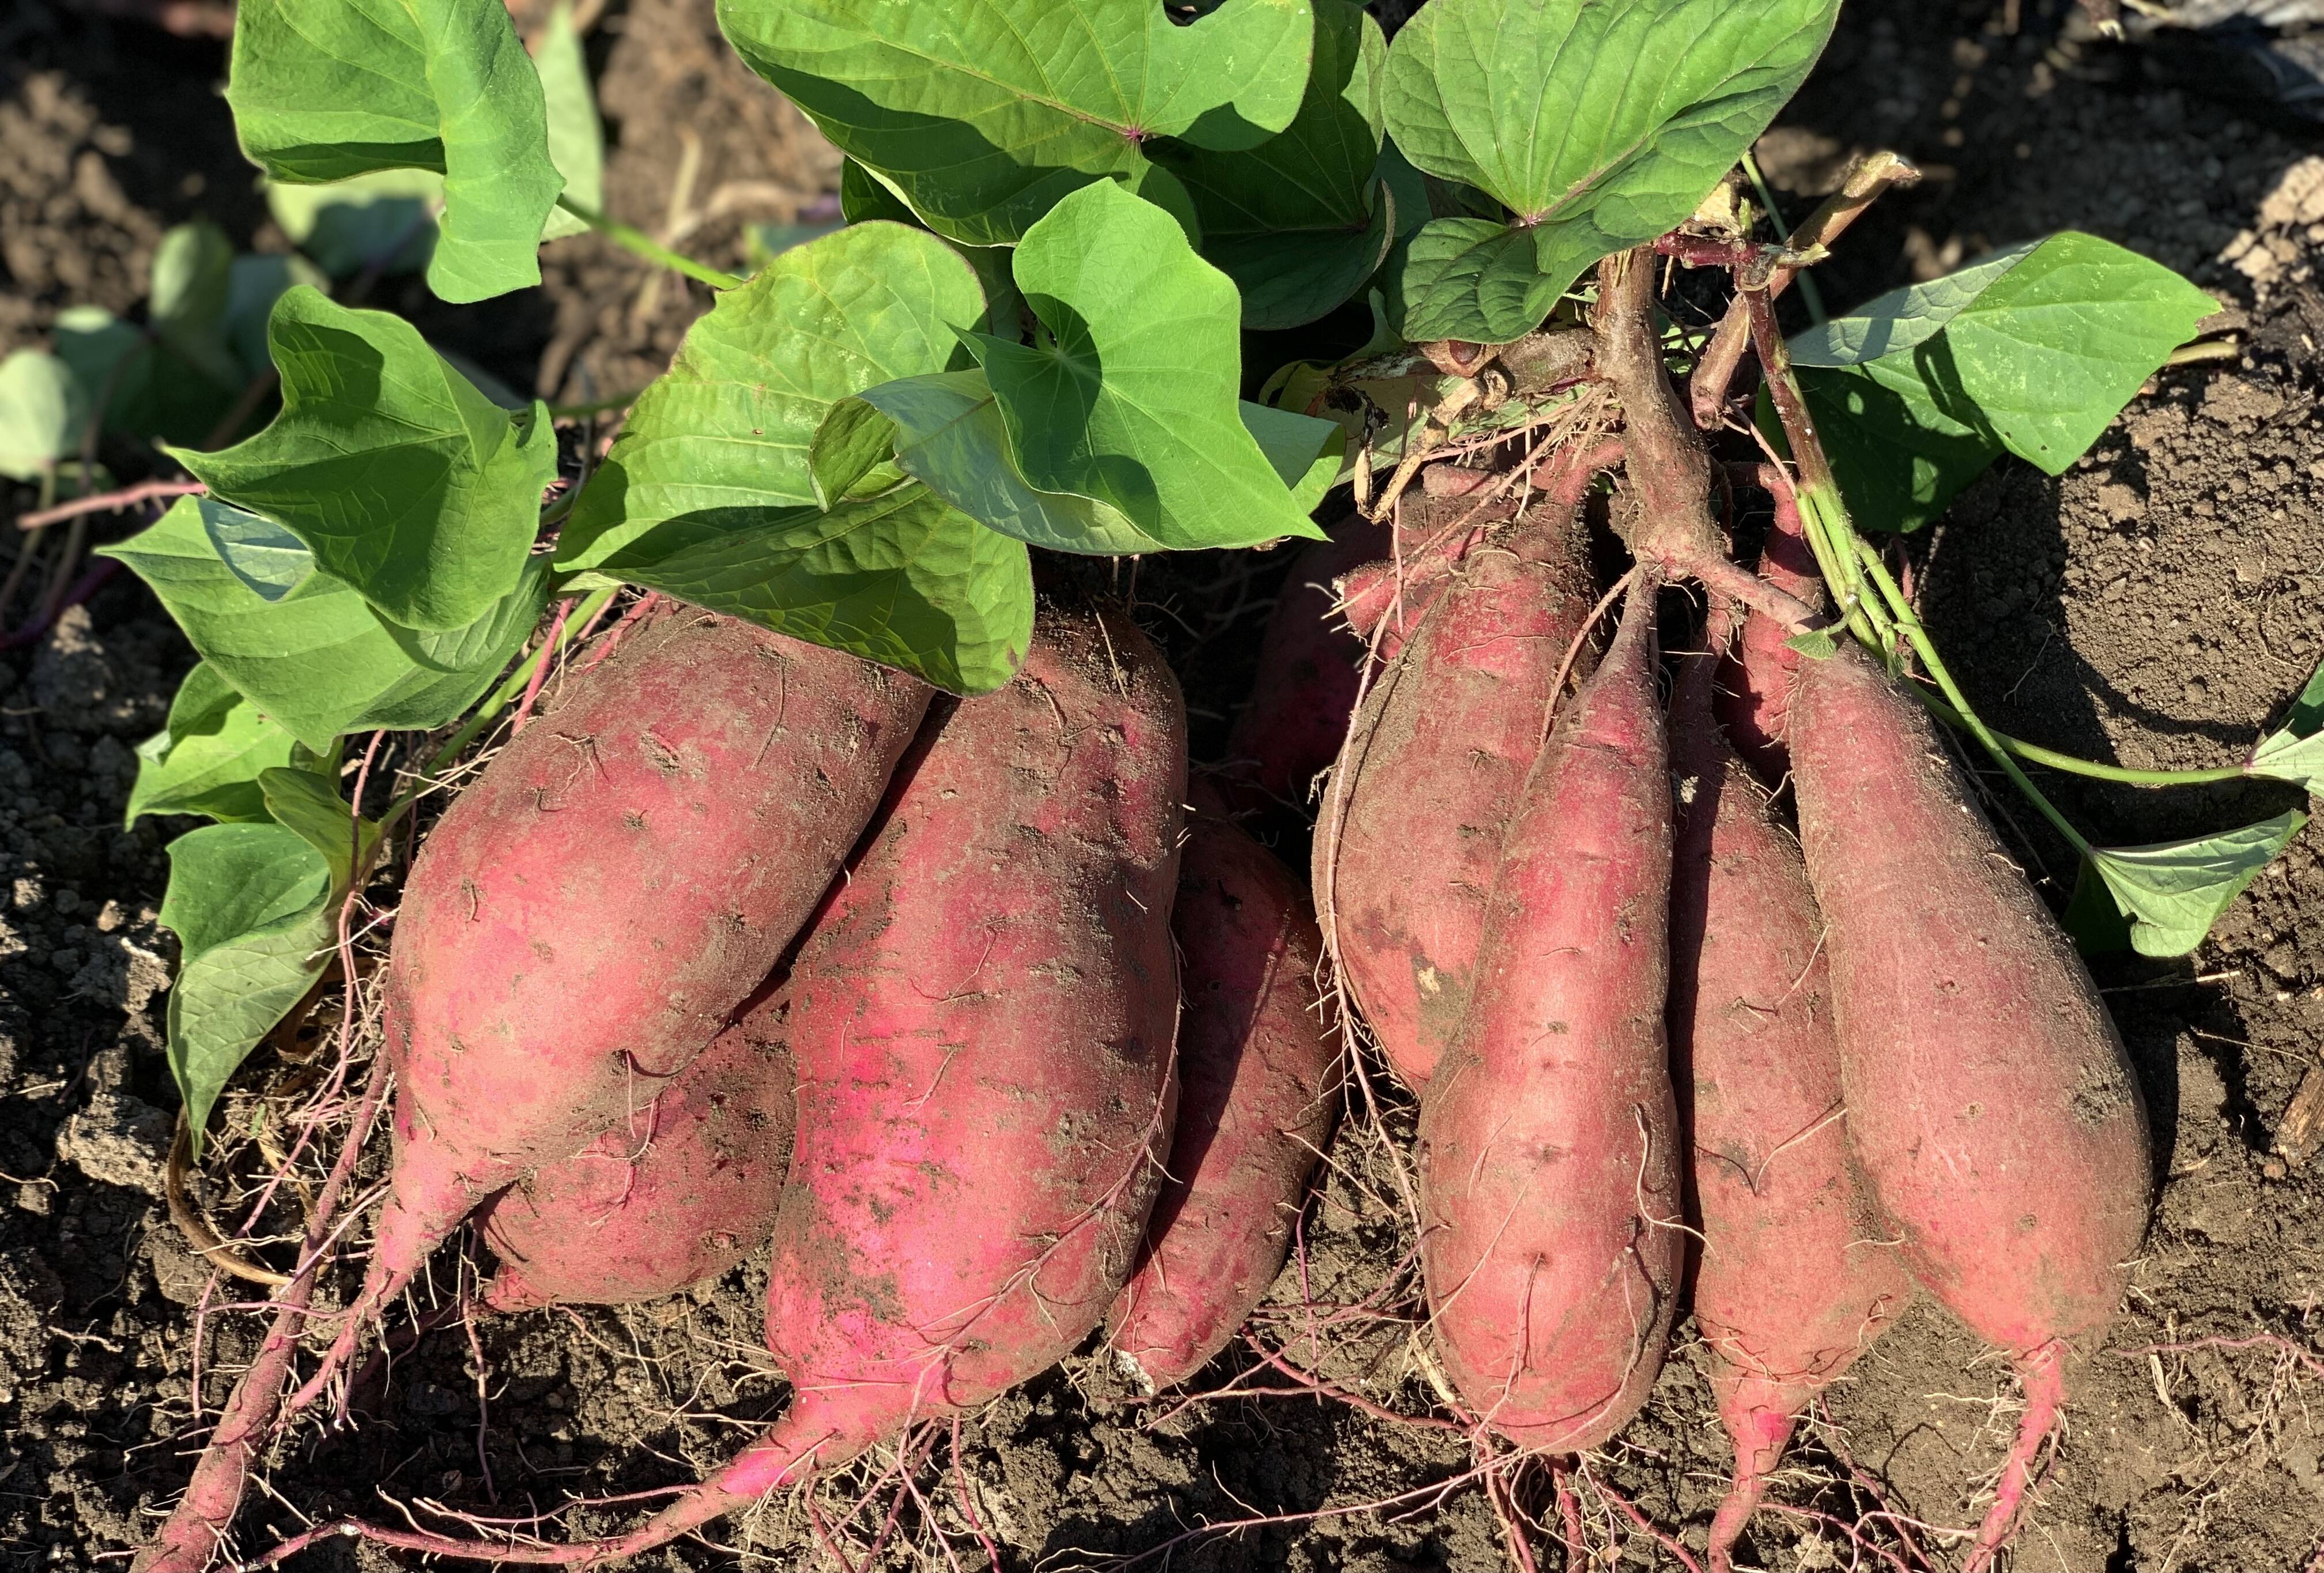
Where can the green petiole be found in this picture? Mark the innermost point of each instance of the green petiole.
(636, 240)
(2072, 765)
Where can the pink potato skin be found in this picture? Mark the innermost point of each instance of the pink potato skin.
(1258, 1072)
(1414, 812)
(1757, 680)
(1793, 1281)
(679, 1192)
(1548, 1151)
(1991, 1106)
(592, 907)
(1309, 670)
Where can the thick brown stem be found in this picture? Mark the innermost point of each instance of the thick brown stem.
(1668, 523)
(1715, 372)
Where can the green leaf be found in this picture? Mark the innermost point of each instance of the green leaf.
(186, 307)
(728, 427)
(1598, 124)
(1815, 643)
(2173, 891)
(326, 89)
(253, 285)
(382, 221)
(148, 390)
(1130, 397)
(42, 412)
(902, 579)
(2294, 752)
(981, 116)
(1302, 220)
(209, 759)
(2033, 350)
(402, 478)
(250, 904)
(864, 197)
(577, 137)
(311, 804)
(304, 648)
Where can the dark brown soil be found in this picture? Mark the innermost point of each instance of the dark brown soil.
(2154, 605)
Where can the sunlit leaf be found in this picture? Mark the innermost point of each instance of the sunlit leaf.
(2173, 891)
(207, 760)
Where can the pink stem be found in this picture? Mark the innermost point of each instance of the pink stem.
(109, 501)
(540, 667)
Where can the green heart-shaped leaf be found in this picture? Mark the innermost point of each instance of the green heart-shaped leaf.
(306, 649)
(1598, 124)
(209, 759)
(402, 478)
(2173, 891)
(2294, 752)
(42, 412)
(251, 906)
(983, 115)
(326, 89)
(577, 137)
(1131, 397)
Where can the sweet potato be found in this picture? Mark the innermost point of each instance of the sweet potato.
(1414, 816)
(1756, 682)
(1793, 1282)
(1259, 1087)
(679, 1192)
(1989, 1099)
(981, 1023)
(1548, 1153)
(592, 908)
(1309, 670)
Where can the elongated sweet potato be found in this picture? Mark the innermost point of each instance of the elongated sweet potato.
(1793, 1282)
(1259, 1088)
(1548, 1156)
(1989, 1099)
(982, 1022)
(590, 911)
(1414, 816)
(1755, 683)
(679, 1192)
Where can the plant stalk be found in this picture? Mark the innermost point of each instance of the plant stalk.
(631, 239)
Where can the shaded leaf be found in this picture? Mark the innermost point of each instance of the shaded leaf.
(577, 137)
(384, 221)
(42, 412)
(1597, 124)
(186, 306)
(207, 760)
(2173, 891)
(250, 906)
(402, 478)
(1131, 396)
(147, 389)
(310, 805)
(981, 116)
(326, 89)
(253, 286)
(306, 649)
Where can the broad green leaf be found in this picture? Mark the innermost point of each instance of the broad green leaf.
(1130, 397)
(383, 221)
(42, 412)
(2033, 350)
(980, 116)
(946, 431)
(207, 760)
(311, 804)
(902, 579)
(186, 306)
(306, 649)
(147, 389)
(1302, 220)
(577, 137)
(1598, 124)
(727, 427)
(326, 89)
(253, 286)
(250, 904)
(864, 197)
(1306, 453)
(2294, 752)
(2173, 891)
(402, 479)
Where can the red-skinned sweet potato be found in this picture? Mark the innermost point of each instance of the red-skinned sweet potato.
(1413, 819)
(1990, 1103)
(1548, 1155)
(587, 917)
(1756, 682)
(1793, 1282)
(679, 1192)
(1259, 1088)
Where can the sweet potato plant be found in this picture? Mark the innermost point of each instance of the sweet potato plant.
(1118, 278)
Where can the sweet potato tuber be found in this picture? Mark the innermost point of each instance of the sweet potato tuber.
(1259, 1087)
(587, 915)
(676, 1194)
(1414, 816)
(1989, 1099)
(1793, 1283)
(1756, 682)
(1548, 1159)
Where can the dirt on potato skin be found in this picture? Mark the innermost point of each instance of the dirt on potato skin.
(2154, 605)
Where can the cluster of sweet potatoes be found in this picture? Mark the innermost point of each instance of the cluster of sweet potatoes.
(1667, 1052)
